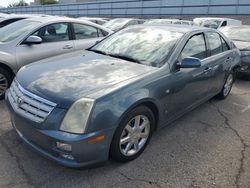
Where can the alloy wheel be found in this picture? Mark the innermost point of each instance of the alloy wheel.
(228, 85)
(134, 135)
(3, 84)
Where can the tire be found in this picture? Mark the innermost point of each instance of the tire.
(227, 86)
(118, 149)
(5, 81)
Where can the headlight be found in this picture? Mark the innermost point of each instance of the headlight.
(77, 116)
(245, 53)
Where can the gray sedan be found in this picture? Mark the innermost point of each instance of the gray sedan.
(33, 39)
(240, 35)
(82, 108)
(121, 23)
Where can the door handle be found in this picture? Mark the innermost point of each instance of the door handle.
(206, 70)
(67, 47)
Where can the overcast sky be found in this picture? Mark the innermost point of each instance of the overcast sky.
(5, 3)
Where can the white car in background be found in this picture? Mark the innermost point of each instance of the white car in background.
(99, 21)
(121, 23)
(169, 21)
(216, 23)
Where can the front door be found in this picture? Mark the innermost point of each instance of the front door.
(55, 41)
(189, 86)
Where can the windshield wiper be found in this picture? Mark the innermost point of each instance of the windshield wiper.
(127, 58)
(98, 51)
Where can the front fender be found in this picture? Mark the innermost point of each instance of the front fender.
(109, 111)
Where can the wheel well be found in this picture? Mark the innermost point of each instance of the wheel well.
(7, 68)
(154, 109)
(235, 67)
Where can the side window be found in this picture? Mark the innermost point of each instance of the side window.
(133, 22)
(102, 33)
(195, 47)
(54, 32)
(100, 22)
(225, 46)
(215, 44)
(224, 24)
(141, 21)
(84, 31)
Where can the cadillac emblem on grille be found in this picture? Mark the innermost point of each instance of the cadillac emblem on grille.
(19, 101)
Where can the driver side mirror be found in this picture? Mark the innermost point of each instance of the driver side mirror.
(33, 40)
(189, 62)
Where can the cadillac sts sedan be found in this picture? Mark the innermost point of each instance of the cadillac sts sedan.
(85, 107)
(33, 39)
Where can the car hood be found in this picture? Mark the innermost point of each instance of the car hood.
(67, 78)
(241, 45)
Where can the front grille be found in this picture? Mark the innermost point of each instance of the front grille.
(29, 105)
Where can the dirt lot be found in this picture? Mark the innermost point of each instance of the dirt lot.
(208, 147)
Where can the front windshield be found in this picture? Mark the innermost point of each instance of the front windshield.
(144, 45)
(116, 24)
(237, 33)
(211, 24)
(14, 30)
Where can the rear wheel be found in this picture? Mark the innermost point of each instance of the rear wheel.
(226, 87)
(5, 81)
(133, 134)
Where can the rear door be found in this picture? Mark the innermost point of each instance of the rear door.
(220, 59)
(86, 36)
(56, 39)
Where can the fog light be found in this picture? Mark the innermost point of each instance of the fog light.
(66, 156)
(64, 147)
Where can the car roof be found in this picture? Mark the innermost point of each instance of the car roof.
(214, 18)
(59, 19)
(91, 18)
(176, 27)
(52, 19)
(236, 26)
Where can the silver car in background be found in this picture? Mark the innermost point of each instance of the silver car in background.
(121, 23)
(37, 38)
(99, 21)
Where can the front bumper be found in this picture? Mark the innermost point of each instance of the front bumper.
(44, 142)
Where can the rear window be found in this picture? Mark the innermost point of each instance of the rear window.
(215, 44)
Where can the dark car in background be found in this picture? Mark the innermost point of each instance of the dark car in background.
(240, 35)
(81, 108)
(121, 23)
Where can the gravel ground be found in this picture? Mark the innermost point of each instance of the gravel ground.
(208, 147)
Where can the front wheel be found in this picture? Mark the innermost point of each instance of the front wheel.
(133, 134)
(226, 87)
